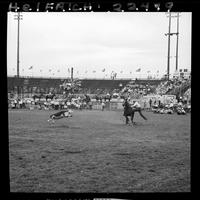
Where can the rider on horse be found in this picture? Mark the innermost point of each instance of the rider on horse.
(130, 110)
(126, 104)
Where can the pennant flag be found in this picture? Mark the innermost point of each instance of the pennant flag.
(138, 70)
(31, 67)
(104, 70)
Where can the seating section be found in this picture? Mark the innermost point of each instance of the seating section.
(92, 86)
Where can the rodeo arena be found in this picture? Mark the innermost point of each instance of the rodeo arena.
(75, 135)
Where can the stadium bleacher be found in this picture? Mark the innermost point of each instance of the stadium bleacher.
(94, 86)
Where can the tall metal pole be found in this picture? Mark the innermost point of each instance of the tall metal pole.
(72, 73)
(18, 22)
(177, 42)
(18, 28)
(168, 57)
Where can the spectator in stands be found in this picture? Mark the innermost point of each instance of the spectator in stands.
(102, 105)
(23, 104)
(159, 102)
(20, 103)
(145, 104)
(15, 103)
(62, 105)
(150, 103)
(180, 111)
(90, 105)
(56, 105)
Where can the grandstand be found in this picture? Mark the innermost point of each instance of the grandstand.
(32, 85)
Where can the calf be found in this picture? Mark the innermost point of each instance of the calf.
(60, 115)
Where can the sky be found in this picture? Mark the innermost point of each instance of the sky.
(96, 44)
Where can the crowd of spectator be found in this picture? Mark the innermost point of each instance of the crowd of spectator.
(55, 104)
(172, 86)
(132, 90)
(180, 108)
(136, 91)
(178, 105)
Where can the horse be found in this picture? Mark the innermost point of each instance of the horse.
(50, 96)
(37, 96)
(129, 111)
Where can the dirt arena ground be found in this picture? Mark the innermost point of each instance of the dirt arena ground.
(95, 151)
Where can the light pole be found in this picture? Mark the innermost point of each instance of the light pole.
(72, 69)
(18, 18)
(170, 34)
(168, 57)
(177, 41)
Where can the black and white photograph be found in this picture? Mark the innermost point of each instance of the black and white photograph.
(99, 102)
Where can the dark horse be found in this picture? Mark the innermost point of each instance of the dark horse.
(50, 96)
(37, 96)
(129, 111)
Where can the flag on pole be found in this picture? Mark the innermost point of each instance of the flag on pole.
(31, 67)
(138, 70)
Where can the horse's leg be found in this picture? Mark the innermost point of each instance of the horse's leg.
(142, 115)
(132, 116)
(127, 120)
